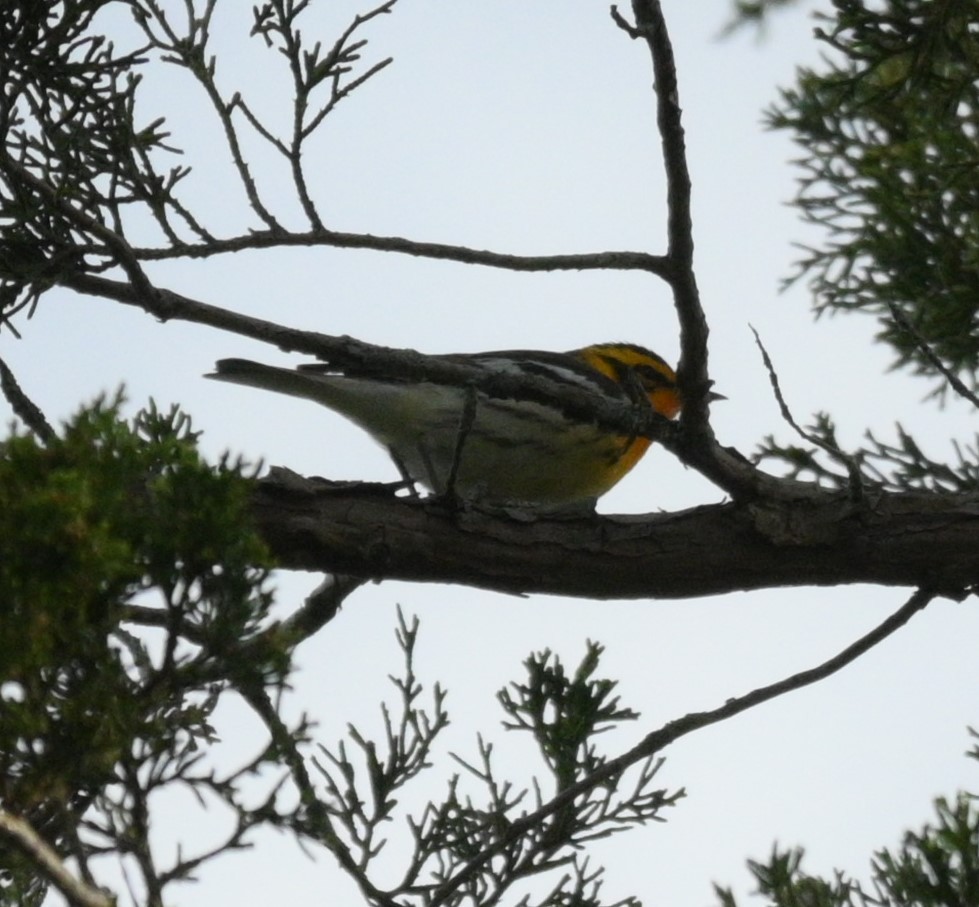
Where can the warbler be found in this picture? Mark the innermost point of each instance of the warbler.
(496, 452)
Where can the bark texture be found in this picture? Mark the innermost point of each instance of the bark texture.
(822, 539)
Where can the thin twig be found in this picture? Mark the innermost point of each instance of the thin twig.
(924, 347)
(340, 93)
(190, 53)
(238, 102)
(852, 467)
(315, 810)
(21, 834)
(86, 223)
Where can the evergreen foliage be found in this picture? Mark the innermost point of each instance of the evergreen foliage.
(108, 522)
(888, 127)
(935, 867)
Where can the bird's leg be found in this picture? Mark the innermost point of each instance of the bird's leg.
(406, 479)
(465, 426)
(637, 394)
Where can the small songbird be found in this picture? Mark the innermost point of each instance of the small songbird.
(498, 452)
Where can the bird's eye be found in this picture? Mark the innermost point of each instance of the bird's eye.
(652, 377)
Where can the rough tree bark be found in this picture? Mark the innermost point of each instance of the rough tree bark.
(824, 538)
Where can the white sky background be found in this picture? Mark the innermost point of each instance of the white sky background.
(528, 127)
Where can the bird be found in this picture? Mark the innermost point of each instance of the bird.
(485, 450)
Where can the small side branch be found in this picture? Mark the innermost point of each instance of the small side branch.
(849, 462)
(21, 835)
(25, 408)
(311, 68)
(956, 383)
(319, 608)
(659, 265)
(317, 819)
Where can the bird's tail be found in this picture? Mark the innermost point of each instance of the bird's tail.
(268, 377)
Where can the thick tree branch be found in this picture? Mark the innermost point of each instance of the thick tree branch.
(888, 539)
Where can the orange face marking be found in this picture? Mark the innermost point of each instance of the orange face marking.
(636, 368)
(648, 371)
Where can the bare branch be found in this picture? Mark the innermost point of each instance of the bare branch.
(320, 607)
(310, 68)
(21, 834)
(651, 27)
(316, 818)
(190, 52)
(25, 408)
(694, 443)
(356, 356)
(852, 467)
(587, 261)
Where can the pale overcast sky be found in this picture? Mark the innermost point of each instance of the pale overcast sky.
(528, 127)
